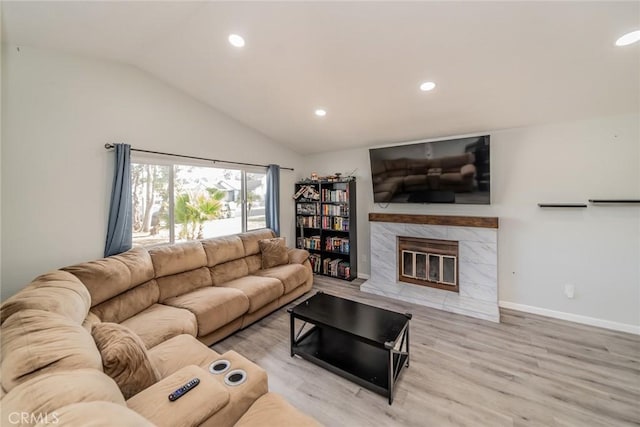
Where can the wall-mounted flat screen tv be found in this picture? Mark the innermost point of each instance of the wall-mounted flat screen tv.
(446, 171)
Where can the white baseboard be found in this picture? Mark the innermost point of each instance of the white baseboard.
(363, 276)
(586, 320)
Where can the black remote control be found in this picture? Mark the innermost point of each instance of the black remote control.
(184, 389)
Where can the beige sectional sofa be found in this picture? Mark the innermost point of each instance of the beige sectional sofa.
(104, 342)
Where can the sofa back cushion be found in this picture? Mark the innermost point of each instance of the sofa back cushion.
(396, 167)
(252, 254)
(418, 166)
(129, 303)
(378, 168)
(124, 358)
(180, 268)
(107, 277)
(250, 240)
(35, 342)
(225, 272)
(181, 283)
(223, 249)
(254, 263)
(453, 163)
(178, 258)
(40, 397)
(225, 258)
(57, 292)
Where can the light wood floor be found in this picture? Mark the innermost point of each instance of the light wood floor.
(528, 370)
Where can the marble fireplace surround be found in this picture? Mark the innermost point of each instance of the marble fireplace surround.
(478, 261)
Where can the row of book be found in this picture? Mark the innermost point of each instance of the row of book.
(312, 242)
(307, 209)
(337, 223)
(309, 221)
(335, 195)
(335, 210)
(336, 244)
(336, 268)
(316, 262)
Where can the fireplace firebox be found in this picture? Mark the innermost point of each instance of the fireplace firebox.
(428, 262)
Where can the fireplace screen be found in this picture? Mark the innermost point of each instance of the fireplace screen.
(428, 262)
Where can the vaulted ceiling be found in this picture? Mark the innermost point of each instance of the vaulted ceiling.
(496, 64)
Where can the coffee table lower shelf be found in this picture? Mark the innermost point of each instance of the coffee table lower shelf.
(357, 361)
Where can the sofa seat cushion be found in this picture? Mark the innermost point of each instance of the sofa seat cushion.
(160, 322)
(125, 358)
(171, 355)
(213, 306)
(278, 411)
(96, 414)
(260, 290)
(291, 275)
(44, 394)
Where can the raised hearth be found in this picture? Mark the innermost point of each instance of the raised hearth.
(477, 262)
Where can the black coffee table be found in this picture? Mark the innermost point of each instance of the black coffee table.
(365, 344)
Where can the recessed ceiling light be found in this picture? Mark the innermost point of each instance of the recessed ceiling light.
(628, 38)
(427, 86)
(320, 112)
(236, 40)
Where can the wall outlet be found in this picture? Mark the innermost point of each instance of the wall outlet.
(569, 290)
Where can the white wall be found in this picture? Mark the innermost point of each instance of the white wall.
(597, 249)
(58, 112)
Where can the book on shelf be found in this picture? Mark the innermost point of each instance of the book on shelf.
(335, 210)
(335, 195)
(336, 223)
(307, 209)
(337, 244)
(312, 243)
(308, 221)
(316, 262)
(336, 268)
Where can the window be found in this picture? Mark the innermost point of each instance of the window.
(177, 202)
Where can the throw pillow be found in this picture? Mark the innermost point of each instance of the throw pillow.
(124, 358)
(274, 252)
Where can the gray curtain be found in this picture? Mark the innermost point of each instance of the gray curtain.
(120, 213)
(272, 202)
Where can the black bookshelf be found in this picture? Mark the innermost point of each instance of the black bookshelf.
(326, 226)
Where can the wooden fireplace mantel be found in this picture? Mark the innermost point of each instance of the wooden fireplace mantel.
(451, 220)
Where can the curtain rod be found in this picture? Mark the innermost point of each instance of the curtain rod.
(110, 146)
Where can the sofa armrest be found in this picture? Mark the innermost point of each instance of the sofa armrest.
(298, 256)
(193, 408)
(468, 170)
